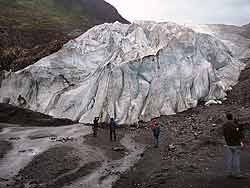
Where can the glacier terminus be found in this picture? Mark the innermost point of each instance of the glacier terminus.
(132, 72)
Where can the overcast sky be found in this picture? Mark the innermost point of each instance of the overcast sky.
(235, 12)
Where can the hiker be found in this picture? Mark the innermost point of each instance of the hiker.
(112, 127)
(95, 126)
(155, 127)
(233, 136)
(21, 101)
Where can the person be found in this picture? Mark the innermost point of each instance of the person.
(112, 127)
(155, 127)
(233, 135)
(21, 101)
(95, 126)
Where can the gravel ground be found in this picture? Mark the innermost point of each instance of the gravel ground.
(54, 168)
(47, 166)
(103, 142)
(192, 147)
(190, 153)
(5, 146)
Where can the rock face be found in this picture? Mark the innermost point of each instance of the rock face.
(130, 72)
(235, 37)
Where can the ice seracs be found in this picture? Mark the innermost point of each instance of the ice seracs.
(129, 72)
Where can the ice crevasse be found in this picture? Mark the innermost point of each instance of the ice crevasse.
(131, 72)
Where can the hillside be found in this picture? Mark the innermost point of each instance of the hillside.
(32, 29)
(246, 32)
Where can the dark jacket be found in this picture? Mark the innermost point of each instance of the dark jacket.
(113, 125)
(95, 125)
(233, 133)
(156, 131)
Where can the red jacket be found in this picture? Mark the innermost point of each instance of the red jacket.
(153, 124)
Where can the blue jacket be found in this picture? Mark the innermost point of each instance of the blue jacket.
(113, 125)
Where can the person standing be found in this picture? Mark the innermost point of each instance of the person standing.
(112, 127)
(233, 135)
(155, 127)
(21, 101)
(95, 126)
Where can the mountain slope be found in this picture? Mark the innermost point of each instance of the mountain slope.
(32, 29)
(246, 31)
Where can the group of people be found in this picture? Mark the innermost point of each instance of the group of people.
(112, 128)
(154, 125)
(232, 132)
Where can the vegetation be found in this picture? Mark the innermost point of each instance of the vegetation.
(41, 14)
(32, 29)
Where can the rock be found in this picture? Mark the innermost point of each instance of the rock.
(53, 138)
(14, 138)
(219, 102)
(3, 179)
(194, 166)
(171, 147)
(23, 151)
(196, 135)
(41, 135)
(132, 128)
(118, 149)
(63, 140)
(210, 102)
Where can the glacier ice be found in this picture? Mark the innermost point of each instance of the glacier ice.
(230, 35)
(131, 72)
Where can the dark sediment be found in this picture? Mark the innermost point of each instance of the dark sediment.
(13, 115)
(103, 142)
(48, 166)
(5, 146)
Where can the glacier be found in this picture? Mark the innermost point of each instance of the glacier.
(132, 72)
(230, 35)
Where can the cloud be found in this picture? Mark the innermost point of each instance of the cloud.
(235, 12)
